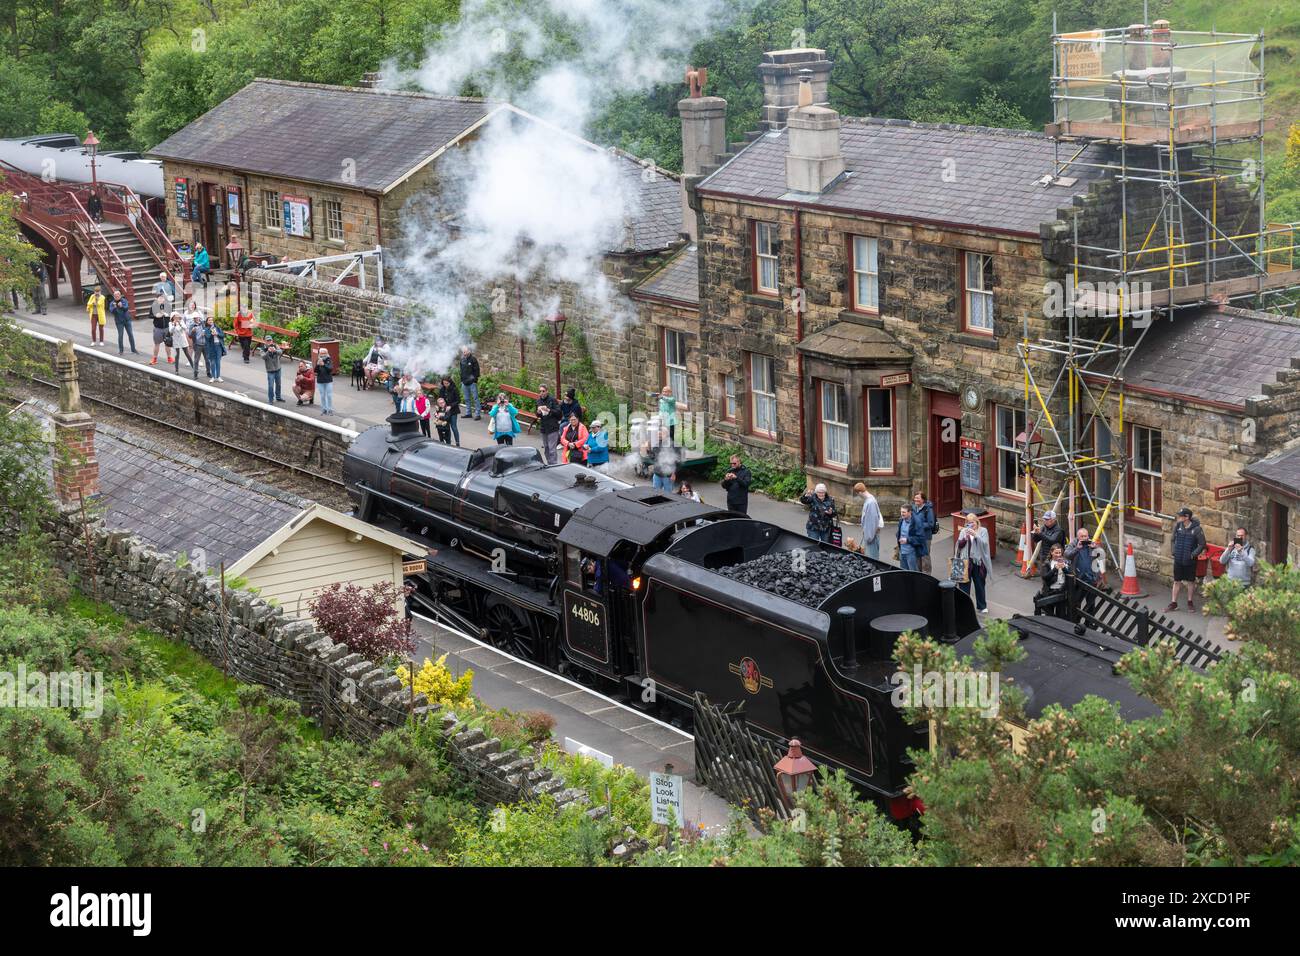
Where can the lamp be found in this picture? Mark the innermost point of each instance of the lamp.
(92, 143)
(1031, 446)
(557, 323)
(794, 773)
(234, 252)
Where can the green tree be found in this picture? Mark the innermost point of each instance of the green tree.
(1209, 780)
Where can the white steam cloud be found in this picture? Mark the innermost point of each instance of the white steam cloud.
(528, 200)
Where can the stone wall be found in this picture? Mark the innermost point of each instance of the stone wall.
(360, 213)
(350, 314)
(920, 307)
(509, 344)
(645, 356)
(1099, 226)
(260, 643)
(316, 447)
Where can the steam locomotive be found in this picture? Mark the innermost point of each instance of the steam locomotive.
(629, 589)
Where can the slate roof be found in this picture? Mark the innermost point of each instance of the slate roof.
(305, 131)
(1214, 354)
(895, 169)
(678, 280)
(657, 223)
(309, 132)
(1281, 470)
(853, 343)
(177, 503)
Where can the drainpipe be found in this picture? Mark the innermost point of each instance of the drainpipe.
(799, 304)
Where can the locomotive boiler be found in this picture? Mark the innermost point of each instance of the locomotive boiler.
(658, 597)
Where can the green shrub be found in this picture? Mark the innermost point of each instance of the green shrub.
(774, 474)
(534, 834)
(625, 791)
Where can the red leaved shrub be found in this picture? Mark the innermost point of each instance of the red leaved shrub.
(368, 620)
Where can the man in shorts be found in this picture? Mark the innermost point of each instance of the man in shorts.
(1188, 545)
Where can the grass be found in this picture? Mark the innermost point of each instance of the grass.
(1280, 22)
(176, 658)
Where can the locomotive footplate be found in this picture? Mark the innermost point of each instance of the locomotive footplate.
(476, 571)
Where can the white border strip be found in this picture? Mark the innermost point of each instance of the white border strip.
(346, 434)
(549, 673)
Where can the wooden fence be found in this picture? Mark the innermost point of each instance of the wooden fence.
(734, 762)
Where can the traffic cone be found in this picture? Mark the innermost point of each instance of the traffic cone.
(1131, 587)
(1022, 555)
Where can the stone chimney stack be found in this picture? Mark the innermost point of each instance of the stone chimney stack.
(814, 157)
(780, 71)
(76, 469)
(704, 139)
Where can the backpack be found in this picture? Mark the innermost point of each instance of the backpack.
(501, 421)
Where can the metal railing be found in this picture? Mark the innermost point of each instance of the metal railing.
(1118, 616)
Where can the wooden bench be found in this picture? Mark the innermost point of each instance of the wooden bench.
(529, 417)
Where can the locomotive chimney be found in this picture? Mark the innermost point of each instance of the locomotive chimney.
(846, 615)
(404, 425)
(948, 604)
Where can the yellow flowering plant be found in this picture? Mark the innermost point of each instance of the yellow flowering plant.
(435, 681)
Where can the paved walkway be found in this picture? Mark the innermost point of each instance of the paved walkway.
(582, 716)
(1008, 593)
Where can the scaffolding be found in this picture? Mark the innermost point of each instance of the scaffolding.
(1172, 122)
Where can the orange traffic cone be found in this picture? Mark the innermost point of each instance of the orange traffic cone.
(1131, 587)
(1022, 555)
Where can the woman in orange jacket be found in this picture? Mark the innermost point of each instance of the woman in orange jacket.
(573, 441)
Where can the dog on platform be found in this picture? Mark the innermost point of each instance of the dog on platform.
(358, 374)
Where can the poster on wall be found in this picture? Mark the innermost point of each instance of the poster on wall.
(297, 216)
(972, 465)
(232, 207)
(182, 197)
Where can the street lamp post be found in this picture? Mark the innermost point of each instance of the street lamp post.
(1030, 444)
(234, 252)
(92, 143)
(557, 322)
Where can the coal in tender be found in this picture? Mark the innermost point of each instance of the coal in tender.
(808, 577)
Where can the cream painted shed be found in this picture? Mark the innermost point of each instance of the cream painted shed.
(319, 547)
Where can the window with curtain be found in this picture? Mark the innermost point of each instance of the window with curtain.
(979, 292)
(1010, 423)
(866, 284)
(765, 257)
(762, 392)
(880, 429)
(835, 424)
(674, 370)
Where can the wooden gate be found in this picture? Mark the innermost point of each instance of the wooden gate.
(734, 762)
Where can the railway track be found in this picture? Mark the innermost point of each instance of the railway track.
(248, 462)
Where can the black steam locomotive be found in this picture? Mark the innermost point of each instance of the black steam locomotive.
(634, 591)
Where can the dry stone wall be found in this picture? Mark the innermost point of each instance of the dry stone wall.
(315, 447)
(259, 643)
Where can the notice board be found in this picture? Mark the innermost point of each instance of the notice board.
(972, 465)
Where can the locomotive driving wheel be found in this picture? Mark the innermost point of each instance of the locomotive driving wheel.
(509, 630)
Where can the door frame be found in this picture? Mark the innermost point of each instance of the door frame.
(1278, 531)
(942, 405)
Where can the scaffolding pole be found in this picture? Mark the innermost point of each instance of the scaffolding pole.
(1077, 437)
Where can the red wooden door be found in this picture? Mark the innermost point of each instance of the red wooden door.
(945, 453)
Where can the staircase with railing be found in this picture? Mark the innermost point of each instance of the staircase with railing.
(127, 248)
